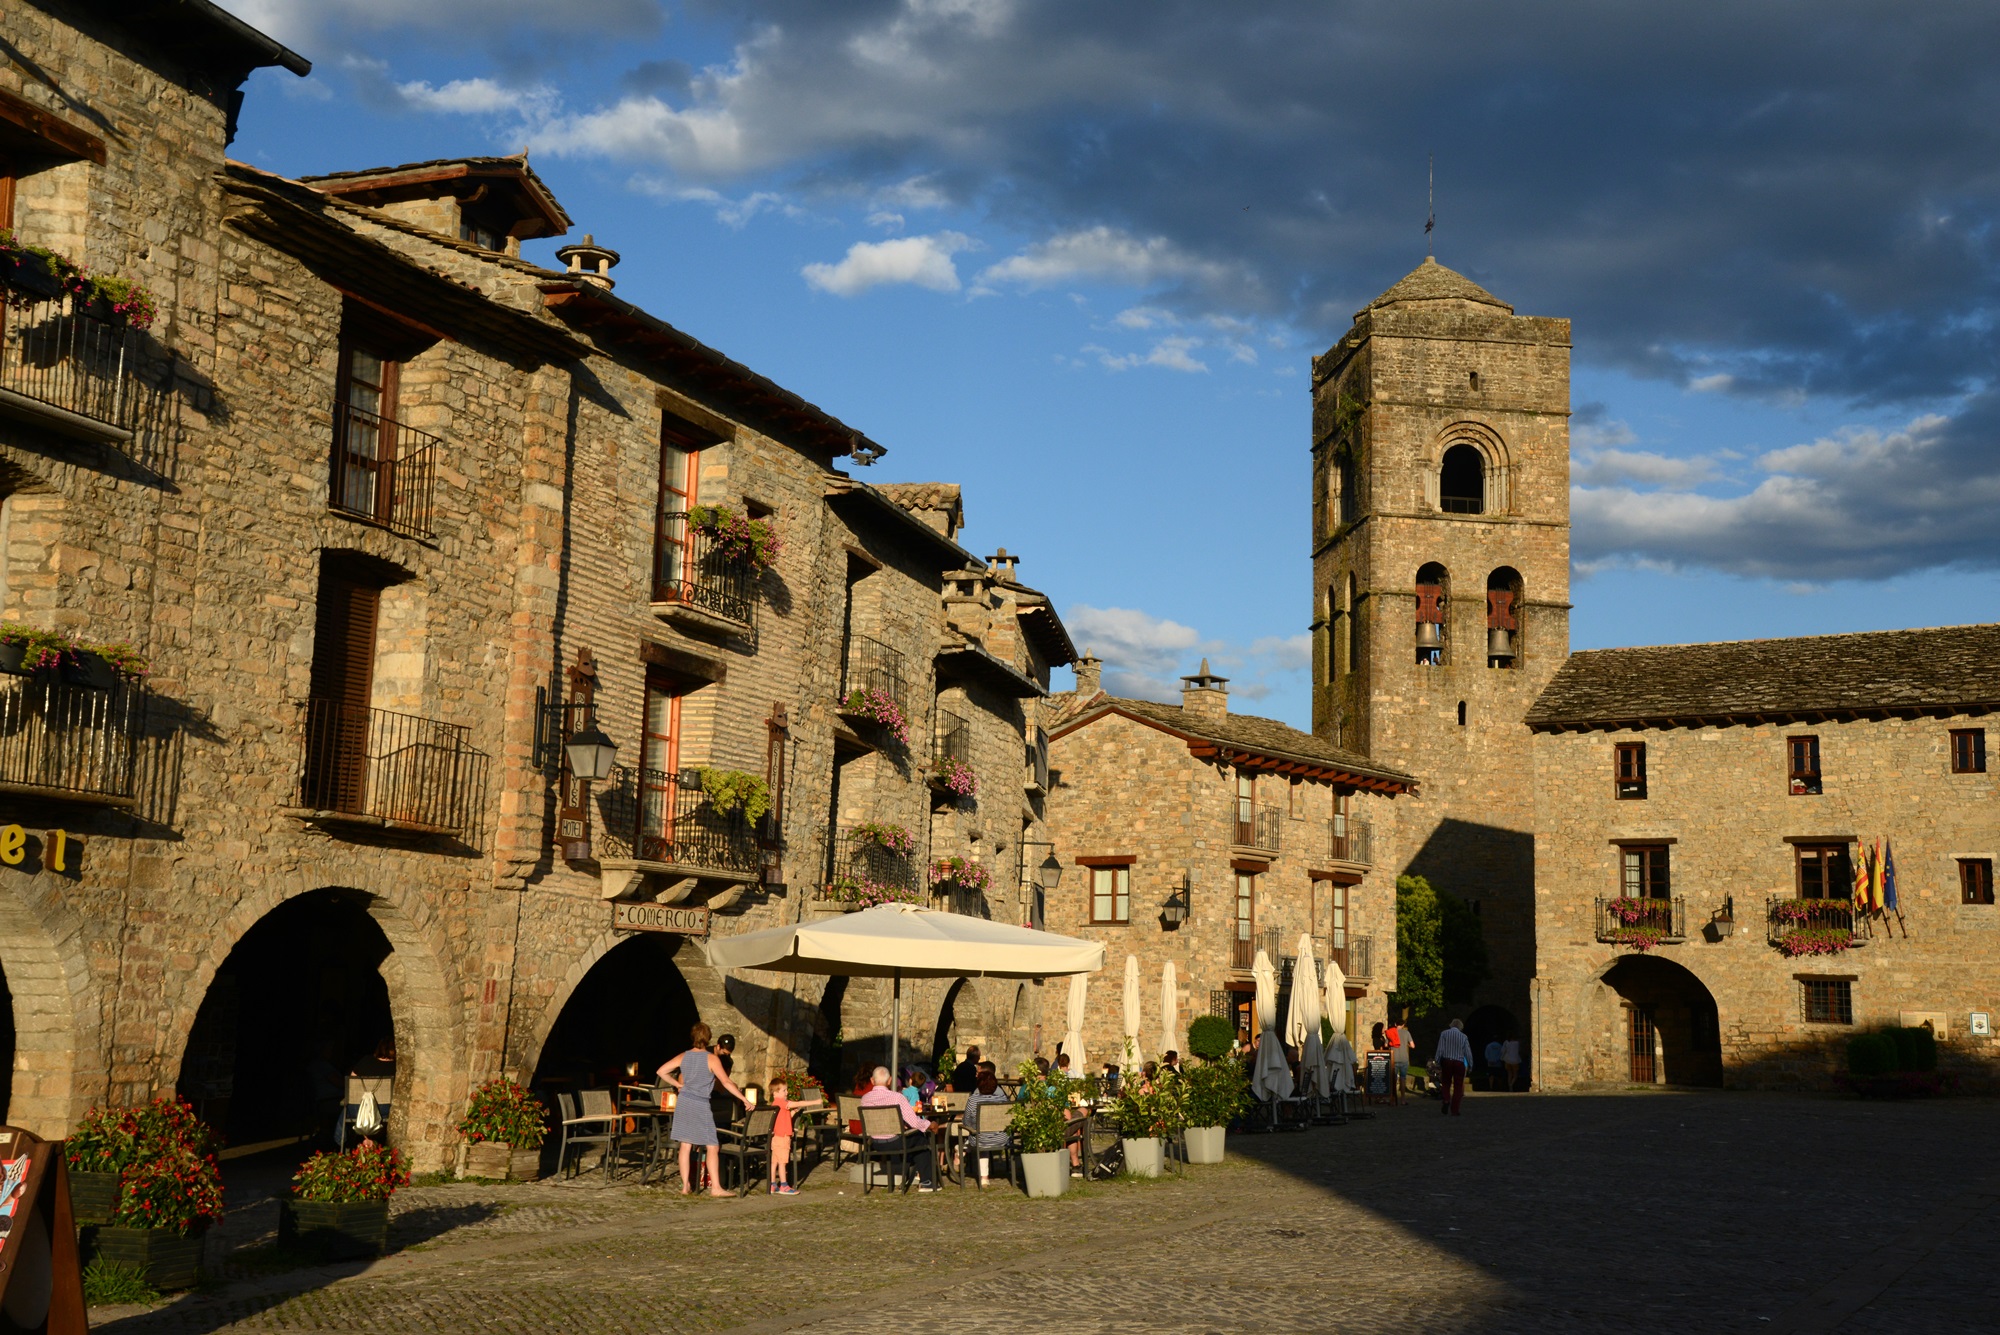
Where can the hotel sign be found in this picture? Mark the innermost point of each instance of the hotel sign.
(627, 916)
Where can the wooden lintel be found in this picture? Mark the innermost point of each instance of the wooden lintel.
(50, 128)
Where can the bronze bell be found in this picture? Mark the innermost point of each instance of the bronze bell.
(1499, 643)
(1430, 635)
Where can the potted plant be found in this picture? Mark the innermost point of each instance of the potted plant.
(954, 777)
(339, 1204)
(23, 649)
(1145, 1118)
(754, 542)
(959, 876)
(1041, 1122)
(1210, 1036)
(1214, 1091)
(164, 1188)
(733, 790)
(880, 708)
(502, 1131)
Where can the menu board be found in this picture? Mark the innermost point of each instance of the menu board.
(1381, 1076)
(41, 1283)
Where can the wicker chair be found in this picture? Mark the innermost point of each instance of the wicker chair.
(747, 1144)
(882, 1141)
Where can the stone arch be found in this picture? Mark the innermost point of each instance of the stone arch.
(704, 984)
(1495, 462)
(1505, 614)
(54, 1005)
(426, 999)
(1684, 1012)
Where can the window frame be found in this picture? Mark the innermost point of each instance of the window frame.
(660, 685)
(1970, 758)
(1839, 854)
(1827, 1000)
(1804, 776)
(1245, 924)
(1119, 895)
(1975, 881)
(685, 489)
(1628, 783)
(1653, 864)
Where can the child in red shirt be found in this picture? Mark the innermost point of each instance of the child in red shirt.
(781, 1136)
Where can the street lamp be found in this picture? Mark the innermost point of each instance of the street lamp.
(591, 753)
(1051, 873)
(1174, 911)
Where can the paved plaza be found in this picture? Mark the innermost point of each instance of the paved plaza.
(1643, 1212)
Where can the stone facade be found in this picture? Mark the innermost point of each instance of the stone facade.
(1182, 801)
(1434, 364)
(457, 891)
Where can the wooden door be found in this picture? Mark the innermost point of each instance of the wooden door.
(1642, 1030)
(365, 444)
(343, 683)
(659, 766)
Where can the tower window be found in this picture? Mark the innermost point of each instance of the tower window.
(1968, 750)
(1975, 880)
(1803, 753)
(1461, 713)
(1503, 629)
(1473, 376)
(1462, 481)
(1433, 597)
(1354, 646)
(1631, 770)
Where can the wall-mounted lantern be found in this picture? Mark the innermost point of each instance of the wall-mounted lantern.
(1174, 911)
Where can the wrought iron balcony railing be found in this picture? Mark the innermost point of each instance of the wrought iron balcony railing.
(694, 569)
(55, 351)
(383, 472)
(954, 740)
(1350, 839)
(874, 666)
(376, 765)
(62, 740)
(864, 870)
(1243, 952)
(1257, 825)
(1355, 955)
(651, 815)
(1788, 917)
(1628, 920)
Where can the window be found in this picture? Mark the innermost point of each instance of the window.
(1472, 378)
(1461, 713)
(680, 471)
(1246, 908)
(659, 764)
(1828, 1000)
(1337, 926)
(1350, 493)
(1825, 872)
(1110, 894)
(1246, 808)
(1630, 774)
(364, 452)
(1645, 874)
(1433, 598)
(1353, 624)
(1462, 481)
(1968, 750)
(1975, 880)
(342, 687)
(1503, 622)
(1804, 765)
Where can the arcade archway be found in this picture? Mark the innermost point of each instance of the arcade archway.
(633, 1009)
(1672, 1031)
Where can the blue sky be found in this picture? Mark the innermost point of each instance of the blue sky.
(1078, 263)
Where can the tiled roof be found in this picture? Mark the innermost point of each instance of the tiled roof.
(1876, 673)
(1261, 737)
(1431, 281)
(921, 495)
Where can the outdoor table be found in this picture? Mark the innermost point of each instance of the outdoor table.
(658, 1122)
(944, 1122)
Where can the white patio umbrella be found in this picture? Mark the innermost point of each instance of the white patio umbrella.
(1132, 1054)
(1073, 1040)
(1305, 1019)
(1270, 1077)
(1334, 999)
(1340, 1052)
(1265, 978)
(1170, 1010)
(899, 941)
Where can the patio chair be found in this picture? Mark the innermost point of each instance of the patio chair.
(836, 1132)
(993, 1117)
(588, 1119)
(747, 1144)
(886, 1123)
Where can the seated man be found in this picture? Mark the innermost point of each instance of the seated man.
(965, 1075)
(879, 1095)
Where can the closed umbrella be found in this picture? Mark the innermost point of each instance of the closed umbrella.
(902, 940)
(1073, 1040)
(1133, 1057)
(1340, 1052)
(1335, 998)
(1266, 979)
(1270, 1076)
(1170, 1010)
(1306, 1009)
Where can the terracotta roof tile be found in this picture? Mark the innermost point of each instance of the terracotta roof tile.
(1247, 732)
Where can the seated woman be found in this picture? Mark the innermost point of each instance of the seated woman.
(983, 1144)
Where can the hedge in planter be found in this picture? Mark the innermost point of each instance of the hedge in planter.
(1041, 1122)
(1210, 1036)
(1213, 1093)
(339, 1204)
(503, 1128)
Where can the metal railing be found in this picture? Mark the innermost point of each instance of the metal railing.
(1350, 839)
(66, 740)
(1356, 957)
(654, 816)
(1786, 915)
(1624, 918)
(1243, 954)
(58, 351)
(397, 768)
(1256, 825)
(861, 862)
(873, 666)
(692, 567)
(383, 471)
(954, 740)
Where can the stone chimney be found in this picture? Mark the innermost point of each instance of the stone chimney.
(1089, 675)
(590, 261)
(1003, 563)
(1205, 694)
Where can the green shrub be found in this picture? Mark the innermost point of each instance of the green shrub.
(1041, 1118)
(106, 1283)
(1209, 1037)
(1215, 1092)
(1916, 1049)
(1870, 1054)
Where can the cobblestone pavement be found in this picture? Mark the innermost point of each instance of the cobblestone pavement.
(1649, 1212)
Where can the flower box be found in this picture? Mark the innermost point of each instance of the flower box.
(25, 271)
(93, 1197)
(498, 1161)
(169, 1260)
(339, 1229)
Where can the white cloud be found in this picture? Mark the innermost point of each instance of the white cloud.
(883, 218)
(1610, 467)
(1145, 656)
(918, 192)
(1108, 255)
(1175, 353)
(476, 97)
(735, 213)
(1144, 317)
(1594, 432)
(923, 261)
(1718, 383)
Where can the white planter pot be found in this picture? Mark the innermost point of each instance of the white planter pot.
(1046, 1174)
(1204, 1144)
(1144, 1157)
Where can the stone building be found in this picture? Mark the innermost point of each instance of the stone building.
(1191, 835)
(1723, 795)
(1440, 531)
(394, 515)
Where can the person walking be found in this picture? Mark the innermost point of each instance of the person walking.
(1510, 1057)
(1409, 1045)
(1399, 1058)
(701, 1072)
(1494, 1075)
(1454, 1054)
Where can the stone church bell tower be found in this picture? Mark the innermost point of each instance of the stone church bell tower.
(1441, 580)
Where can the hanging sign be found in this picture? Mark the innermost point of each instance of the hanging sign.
(628, 916)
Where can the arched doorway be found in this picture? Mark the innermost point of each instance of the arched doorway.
(1485, 1025)
(1672, 1031)
(633, 1007)
(826, 1036)
(957, 1025)
(298, 1004)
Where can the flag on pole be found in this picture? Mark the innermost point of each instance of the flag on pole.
(1875, 878)
(1887, 899)
(1861, 878)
